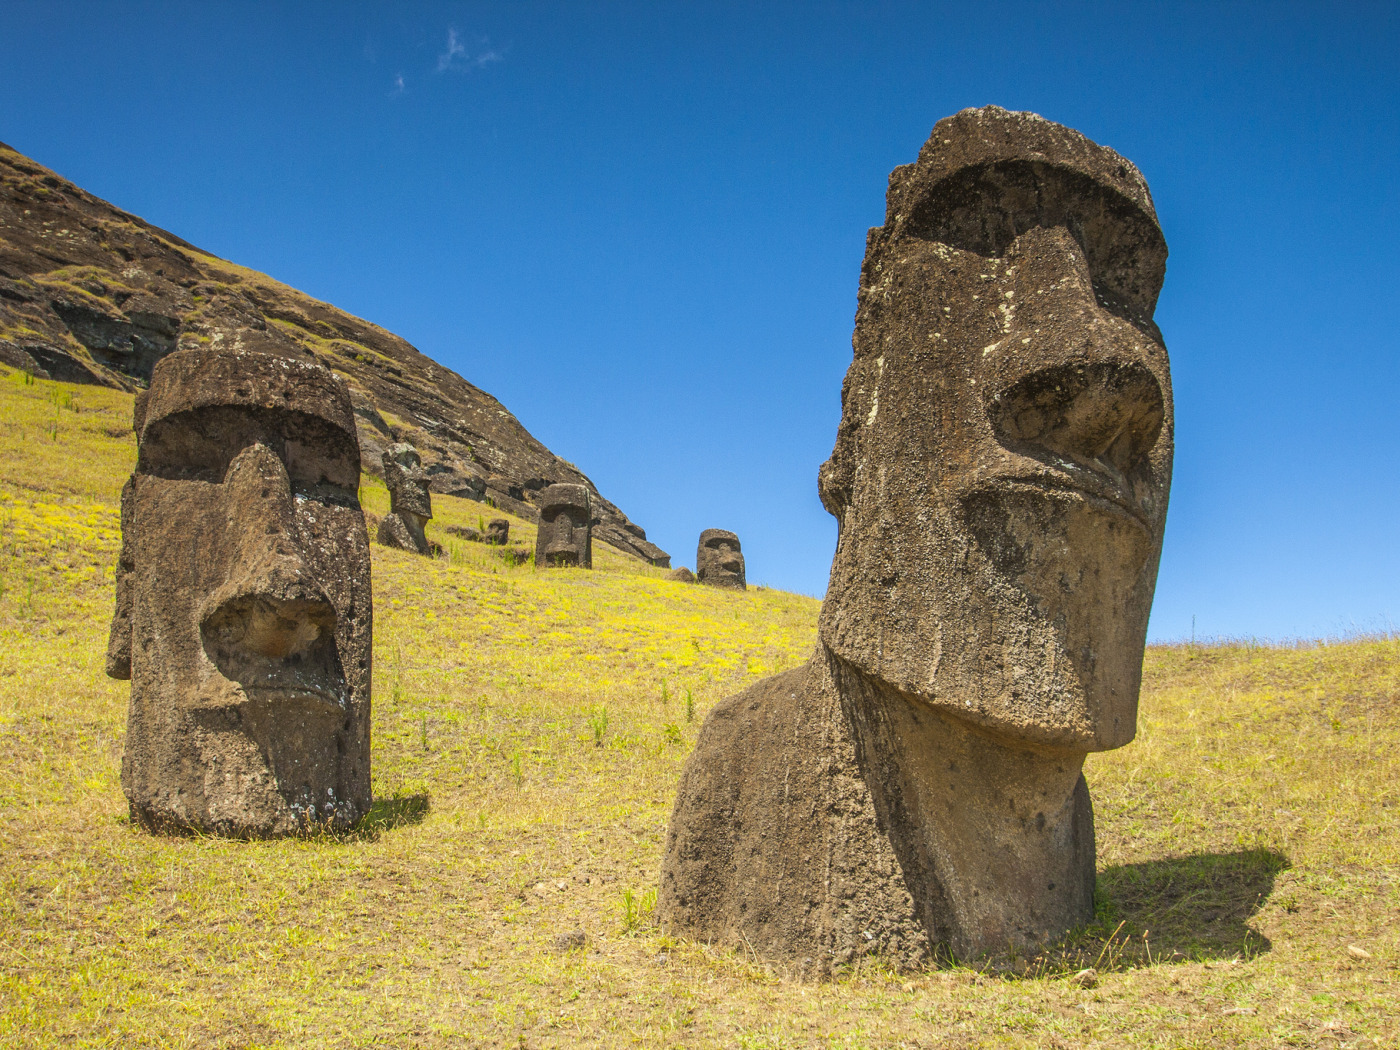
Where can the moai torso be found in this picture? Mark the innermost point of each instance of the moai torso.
(718, 560)
(244, 611)
(565, 536)
(1000, 480)
(410, 501)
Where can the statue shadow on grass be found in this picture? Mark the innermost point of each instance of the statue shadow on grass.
(1198, 907)
(390, 812)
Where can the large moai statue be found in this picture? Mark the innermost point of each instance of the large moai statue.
(244, 615)
(565, 535)
(1000, 480)
(718, 560)
(410, 502)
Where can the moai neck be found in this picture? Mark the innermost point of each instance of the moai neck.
(996, 840)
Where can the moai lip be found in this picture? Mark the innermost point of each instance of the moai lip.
(410, 501)
(243, 616)
(718, 560)
(1000, 479)
(565, 534)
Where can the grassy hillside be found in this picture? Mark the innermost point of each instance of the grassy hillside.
(528, 732)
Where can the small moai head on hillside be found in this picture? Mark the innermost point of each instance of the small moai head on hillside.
(1004, 455)
(244, 611)
(498, 532)
(565, 536)
(718, 561)
(410, 501)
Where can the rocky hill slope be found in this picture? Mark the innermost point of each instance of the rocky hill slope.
(92, 294)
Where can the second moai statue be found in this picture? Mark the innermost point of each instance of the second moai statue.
(565, 535)
(410, 502)
(498, 532)
(243, 613)
(718, 560)
(999, 481)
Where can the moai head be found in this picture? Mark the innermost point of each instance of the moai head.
(718, 561)
(498, 532)
(410, 502)
(1004, 455)
(565, 535)
(243, 600)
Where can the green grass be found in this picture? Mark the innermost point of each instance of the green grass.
(525, 761)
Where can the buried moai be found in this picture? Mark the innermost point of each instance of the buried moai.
(1000, 481)
(498, 532)
(243, 613)
(718, 561)
(410, 502)
(565, 535)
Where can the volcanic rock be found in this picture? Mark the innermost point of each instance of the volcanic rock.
(718, 561)
(1000, 482)
(248, 650)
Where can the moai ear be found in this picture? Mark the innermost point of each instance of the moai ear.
(119, 640)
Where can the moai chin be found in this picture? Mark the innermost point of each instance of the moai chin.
(1000, 480)
(718, 561)
(244, 615)
(410, 502)
(565, 535)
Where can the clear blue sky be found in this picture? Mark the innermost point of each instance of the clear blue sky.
(640, 226)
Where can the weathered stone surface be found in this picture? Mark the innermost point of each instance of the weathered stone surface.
(465, 532)
(718, 561)
(243, 609)
(91, 294)
(498, 532)
(1000, 479)
(565, 536)
(410, 504)
(681, 575)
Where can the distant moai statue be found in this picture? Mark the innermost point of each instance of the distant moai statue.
(1000, 482)
(565, 535)
(243, 609)
(718, 560)
(410, 502)
(498, 532)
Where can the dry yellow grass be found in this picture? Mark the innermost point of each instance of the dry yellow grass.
(525, 757)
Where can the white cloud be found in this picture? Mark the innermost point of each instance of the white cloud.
(399, 88)
(454, 48)
(459, 58)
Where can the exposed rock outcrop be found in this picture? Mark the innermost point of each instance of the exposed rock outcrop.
(92, 294)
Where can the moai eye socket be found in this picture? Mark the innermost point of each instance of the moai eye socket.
(985, 207)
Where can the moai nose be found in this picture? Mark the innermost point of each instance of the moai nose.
(1104, 414)
(1074, 377)
(271, 608)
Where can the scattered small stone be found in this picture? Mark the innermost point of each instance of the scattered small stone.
(1229, 1010)
(1356, 951)
(572, 941)
(1085, 978)
(464, 532)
